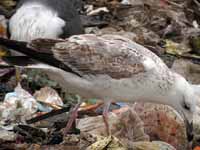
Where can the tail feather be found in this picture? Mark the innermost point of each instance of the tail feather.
(24, 62)
(43, 55)
(18, 60)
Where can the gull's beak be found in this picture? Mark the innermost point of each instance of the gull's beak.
(189, 130)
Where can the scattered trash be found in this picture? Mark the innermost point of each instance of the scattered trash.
(49, 97)
(17, 106)
(7, 136)
(175, 48)
(8, 3)
(187, 69)
(164, 123)
(96, 11)
(124, 124)
(155, 145)
(110, 143)
(169, 28)
(3, 26)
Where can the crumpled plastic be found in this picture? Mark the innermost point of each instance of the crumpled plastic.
(17, 106)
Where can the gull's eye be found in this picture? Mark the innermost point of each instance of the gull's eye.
(186, 106)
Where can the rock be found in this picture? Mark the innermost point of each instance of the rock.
(163, 123)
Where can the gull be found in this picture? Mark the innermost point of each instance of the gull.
(112, 68)
(44, 19)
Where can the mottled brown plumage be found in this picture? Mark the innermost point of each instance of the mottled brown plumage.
(87, 56)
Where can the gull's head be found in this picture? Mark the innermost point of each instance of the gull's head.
(188, 110)
(186, 102)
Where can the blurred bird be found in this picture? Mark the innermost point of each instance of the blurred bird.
(112, 68)
(44, 19)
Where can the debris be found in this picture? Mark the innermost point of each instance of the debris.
(49, 97)
(124, 123)
(30, 134)
(175, 48)
(7, 136)
(164, 123)
(109, 143)
(17, 106)
(197, 148)
(169, 28)
(8, 3)
(188, 69)
(96, 11)
(195, 44)
(125, 2)
(196, 126)
(3, 27)
(48, 115)
(155, 145)
(5, 71)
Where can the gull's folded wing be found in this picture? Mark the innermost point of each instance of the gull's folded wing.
(93, 55)
(88, 54)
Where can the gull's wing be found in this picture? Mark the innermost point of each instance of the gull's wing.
(86, 55)
(109, 55)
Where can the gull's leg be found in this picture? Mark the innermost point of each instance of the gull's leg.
(105, 116)
(73, 116)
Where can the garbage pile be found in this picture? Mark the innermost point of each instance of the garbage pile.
(34, 112)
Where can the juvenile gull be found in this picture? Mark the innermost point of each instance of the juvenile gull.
(113, 68)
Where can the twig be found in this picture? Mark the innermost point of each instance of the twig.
(54, 106)
(90, 107)
(48, 115)
(175, 4)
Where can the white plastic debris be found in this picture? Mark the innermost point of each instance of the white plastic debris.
(23, 97)
(89, 8)
(50, 97)
(195, 24)
(18, 105)
(125, 2)
(97, 11)
(7, 136)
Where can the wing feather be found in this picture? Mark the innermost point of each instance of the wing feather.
(92, 55)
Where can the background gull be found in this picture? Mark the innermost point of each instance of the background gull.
(44, 19)
(112, 68)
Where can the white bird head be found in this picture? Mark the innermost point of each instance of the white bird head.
(186, 102)
(188, 110)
